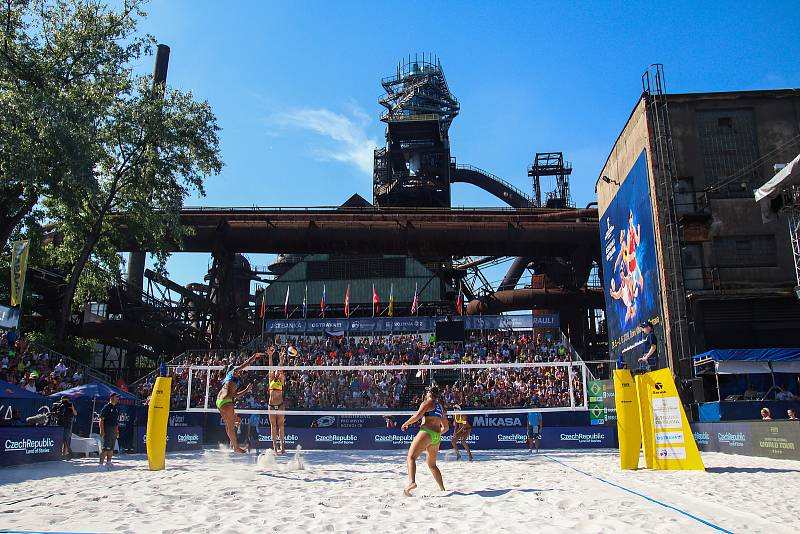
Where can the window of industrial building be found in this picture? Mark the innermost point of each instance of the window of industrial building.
(746, 251)
(730, 146)
(356, 268)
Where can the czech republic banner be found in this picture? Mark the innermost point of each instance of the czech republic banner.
(664, 430)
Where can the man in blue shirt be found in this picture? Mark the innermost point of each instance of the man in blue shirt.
(109, 428)
(534, 430)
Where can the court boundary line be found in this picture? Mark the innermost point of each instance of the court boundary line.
(643, 496)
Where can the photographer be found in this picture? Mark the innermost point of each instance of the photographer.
(66, 415)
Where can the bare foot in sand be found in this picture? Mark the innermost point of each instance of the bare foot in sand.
(407, 491)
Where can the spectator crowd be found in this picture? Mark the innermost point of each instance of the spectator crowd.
(492, 387)
(35, 369)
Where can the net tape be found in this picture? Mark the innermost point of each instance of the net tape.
(205, 375)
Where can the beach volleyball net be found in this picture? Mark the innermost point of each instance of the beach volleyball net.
(391, 390)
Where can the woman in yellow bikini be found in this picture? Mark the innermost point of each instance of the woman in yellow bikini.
(277, 379)
(434, 424)
(228, 394)
(461, 430)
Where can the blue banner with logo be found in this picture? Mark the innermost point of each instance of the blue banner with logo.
(29, 444)
(179, 438)
(630, 267)
(771, 439)
(479, 439)
(368, 325)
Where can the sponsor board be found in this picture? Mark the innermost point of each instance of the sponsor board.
(494, 421)
(671, 453)
(666, 412)
(674, 437)
(24, 445)
(771, 439)
(479, 438)
(179, 438)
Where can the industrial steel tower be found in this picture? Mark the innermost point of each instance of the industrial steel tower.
(414, 167)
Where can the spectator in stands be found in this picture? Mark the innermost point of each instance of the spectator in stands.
(60, 369)
(765, 414)
(791, 413)
(785, 395)
(30, 383)
(109, 429)
(11, 337)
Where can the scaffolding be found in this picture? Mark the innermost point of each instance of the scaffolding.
(551, 164)
(663, 158)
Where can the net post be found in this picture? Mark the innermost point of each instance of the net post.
(208, 386)
(585, 371)
(569, 384)
(189, 389)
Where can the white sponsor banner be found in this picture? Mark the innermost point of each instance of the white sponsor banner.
(667, 412)
(669, 438)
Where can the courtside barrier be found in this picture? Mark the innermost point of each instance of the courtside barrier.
(29, 444)
(394, 438)
(770, 439)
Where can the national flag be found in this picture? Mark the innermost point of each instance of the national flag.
(286, 303)
(305, 303)
(347, 302)
(460, 301)
(263, 302)
(322, 302)
(415, 302)
(390, 311)
(376, 305)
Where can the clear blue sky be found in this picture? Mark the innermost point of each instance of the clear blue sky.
(295, 84)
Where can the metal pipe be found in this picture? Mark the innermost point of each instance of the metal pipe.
(526, 299)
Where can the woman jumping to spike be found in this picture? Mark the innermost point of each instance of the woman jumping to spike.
(227, 396)
(277, 379)
(434, 424)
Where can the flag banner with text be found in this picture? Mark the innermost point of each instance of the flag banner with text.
(19, 265)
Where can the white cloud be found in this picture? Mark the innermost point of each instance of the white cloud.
(347, 134)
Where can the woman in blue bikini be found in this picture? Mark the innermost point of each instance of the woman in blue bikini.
(434, 424)
(228, 394)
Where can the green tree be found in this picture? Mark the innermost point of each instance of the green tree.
(150, 152)
(63, 64)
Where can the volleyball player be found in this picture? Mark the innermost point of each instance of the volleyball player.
(277, 380)
(227, 396)
(462, 429)
(434, 424)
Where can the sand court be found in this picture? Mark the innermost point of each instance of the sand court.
(359, 491)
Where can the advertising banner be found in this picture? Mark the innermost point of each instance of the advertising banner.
(29, 444)
(770, 439)
(188, 438)
(629, 429)
(630, 268)
(666, 435)
(368, 325)
(19, 266)
(479, 439)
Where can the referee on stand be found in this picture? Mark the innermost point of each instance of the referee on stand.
(649, 359)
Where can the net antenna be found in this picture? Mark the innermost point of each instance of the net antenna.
(574, 369)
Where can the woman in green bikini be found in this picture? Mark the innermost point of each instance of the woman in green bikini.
(228, 393)
(434, 424)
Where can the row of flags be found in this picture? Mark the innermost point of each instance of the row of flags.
(376, 303)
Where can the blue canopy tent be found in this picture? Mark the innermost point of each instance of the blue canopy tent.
(746, 362)
(13, 397)
(90, 398)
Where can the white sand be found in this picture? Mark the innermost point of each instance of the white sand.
(362, 492)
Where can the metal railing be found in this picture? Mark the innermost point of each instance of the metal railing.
(496, 178)
(87, 371)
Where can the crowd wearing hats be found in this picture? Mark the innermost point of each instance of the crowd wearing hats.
(36, 370)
